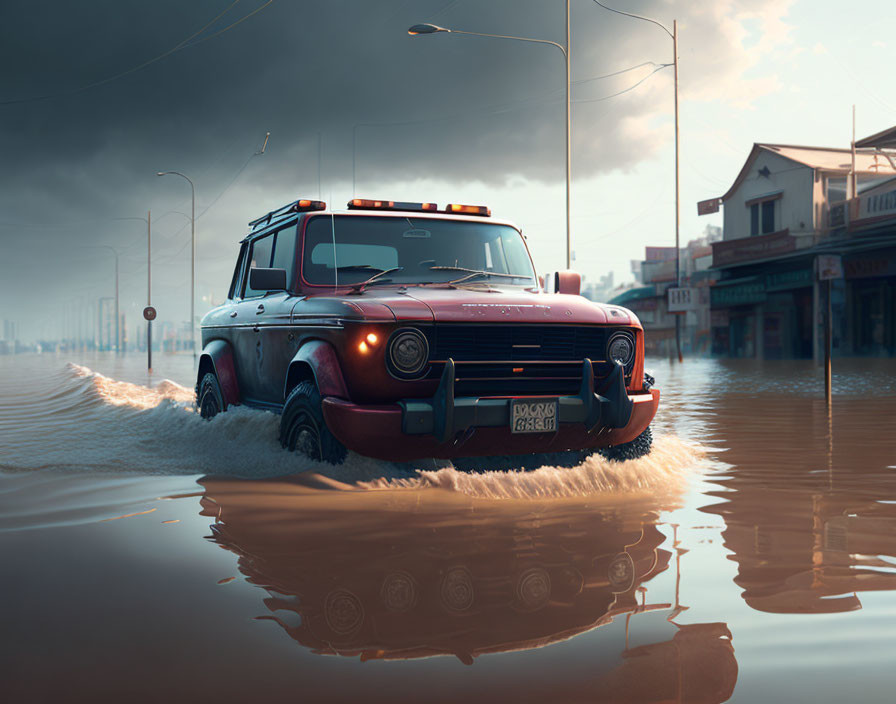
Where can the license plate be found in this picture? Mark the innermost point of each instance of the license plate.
(531, 415)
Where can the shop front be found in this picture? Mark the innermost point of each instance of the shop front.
(871, 300)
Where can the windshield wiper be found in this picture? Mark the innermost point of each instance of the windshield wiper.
(359, 287)
(473, 273)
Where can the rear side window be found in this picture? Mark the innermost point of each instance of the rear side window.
(285, 252)
(260, 253)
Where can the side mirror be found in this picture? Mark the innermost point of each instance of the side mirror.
(267, 279)
(569, 282)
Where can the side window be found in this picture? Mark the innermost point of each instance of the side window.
(285, 253)
(235, 281)
(259, 258)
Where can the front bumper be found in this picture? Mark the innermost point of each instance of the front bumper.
(446, 426)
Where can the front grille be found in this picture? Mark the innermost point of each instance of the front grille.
(519, 359)
(512, 343)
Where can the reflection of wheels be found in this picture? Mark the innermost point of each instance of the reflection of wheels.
(343, 612)
(533, 588)
(457, 590)
(503, 463)
(638, 447)
(209, 397)
(302, 426)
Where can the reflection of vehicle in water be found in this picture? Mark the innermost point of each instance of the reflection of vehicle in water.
(371, 574)
(815, 526)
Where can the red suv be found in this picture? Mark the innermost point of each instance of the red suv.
(401, 331)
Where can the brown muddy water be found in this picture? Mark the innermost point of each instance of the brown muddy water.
(146, 555)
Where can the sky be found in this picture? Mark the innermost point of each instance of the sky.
(95, 98)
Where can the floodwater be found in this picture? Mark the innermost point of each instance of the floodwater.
(146, 555)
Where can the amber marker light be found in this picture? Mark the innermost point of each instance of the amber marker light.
(468, 209)
(363, 347)
(371, 339)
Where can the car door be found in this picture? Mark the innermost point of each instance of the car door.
(250, 312)
(274, 346)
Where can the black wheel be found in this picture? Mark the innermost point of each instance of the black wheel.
(302, 426)
(209, 397)
(504, 463)
(639, 447)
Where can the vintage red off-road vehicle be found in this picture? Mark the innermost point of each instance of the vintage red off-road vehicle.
(401, 331)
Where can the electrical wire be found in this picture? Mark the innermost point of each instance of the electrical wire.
(660, 67)
(186, 43)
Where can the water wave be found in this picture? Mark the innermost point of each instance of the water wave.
(663, 470)
(84, 420)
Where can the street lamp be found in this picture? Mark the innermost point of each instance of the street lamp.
(674, 36)
(434, 29)
(192, 256)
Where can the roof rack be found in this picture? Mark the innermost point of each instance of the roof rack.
(299, 206)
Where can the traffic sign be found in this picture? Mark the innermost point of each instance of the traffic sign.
(149, 313)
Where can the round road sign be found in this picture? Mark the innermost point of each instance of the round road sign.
(149, 313)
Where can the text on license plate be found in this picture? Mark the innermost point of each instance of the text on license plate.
(533, 415)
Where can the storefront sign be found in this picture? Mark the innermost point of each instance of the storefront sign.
(681, 300)
(747, 249)
(738, 294)
(705, 207)
(783, 280)
(883, 264)
(829, 266)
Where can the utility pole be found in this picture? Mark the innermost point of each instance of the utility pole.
(192, 254)
(568, 147)
(149, 289)
(677, 190)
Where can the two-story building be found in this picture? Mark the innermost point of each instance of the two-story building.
(779, 215)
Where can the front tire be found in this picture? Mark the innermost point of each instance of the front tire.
(209, 397)
(302, 426)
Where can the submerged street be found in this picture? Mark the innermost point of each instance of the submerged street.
(148, 554)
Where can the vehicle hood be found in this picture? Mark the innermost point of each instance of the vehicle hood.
(496, 305)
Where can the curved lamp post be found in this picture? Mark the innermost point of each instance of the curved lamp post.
(434, 29)
(673, 35)
(192, 257)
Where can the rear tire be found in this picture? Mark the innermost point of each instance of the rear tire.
(302, 426)
(637, 448)
(209, 397)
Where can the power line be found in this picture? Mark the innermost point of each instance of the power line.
(660, 67)
(181, 45)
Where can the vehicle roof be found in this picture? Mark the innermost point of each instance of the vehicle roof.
(275, 223)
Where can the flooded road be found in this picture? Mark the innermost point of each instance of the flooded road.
(147, 555)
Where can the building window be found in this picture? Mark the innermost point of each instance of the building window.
(762, 217)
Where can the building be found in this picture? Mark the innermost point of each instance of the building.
(649, 300)
(789, 205)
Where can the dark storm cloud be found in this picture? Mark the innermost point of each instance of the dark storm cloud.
(452, 106)
(445, 107)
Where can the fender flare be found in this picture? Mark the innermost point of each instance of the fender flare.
(218, 354)
(320, 357)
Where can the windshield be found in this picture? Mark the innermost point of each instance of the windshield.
(348, 250)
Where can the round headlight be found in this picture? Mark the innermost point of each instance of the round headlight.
(621, 349)
(408, 352)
